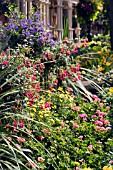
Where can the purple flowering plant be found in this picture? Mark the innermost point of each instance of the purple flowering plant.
(30, 32)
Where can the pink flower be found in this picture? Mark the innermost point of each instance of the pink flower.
(97, 122)
(80, 137)
(75, 79)
(94, 116)
(108, 128)
(18, 146)
(97, 128)
(33, 78)
(77, 168)
(83, 115)
(27, 76)
(98, 111)
(42, 66)
(40, 159)
(28, 131)
(47, 105)
(99, 142)
(111, 162)
(106, 122)
(68, 52)
(76, 108)
(103, 114)
(56, 82)
(101, 104)
(108, 107)
(34, 66)
(15, 130)
(20, 139)
(62, 124)
(67, 154)
(97, 100)
(102, 128)
(90, 147)
(75, 125)
(94, 96)
(69, 89)
(27, 63)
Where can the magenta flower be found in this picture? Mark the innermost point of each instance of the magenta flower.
(5, 63)
(47, 105)
(15, 124)
(94, 116)
(21, 123)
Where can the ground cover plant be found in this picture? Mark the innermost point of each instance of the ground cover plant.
(48, 119)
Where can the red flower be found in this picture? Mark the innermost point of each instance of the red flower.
(46, 131)
(41, 138)
(62, 50)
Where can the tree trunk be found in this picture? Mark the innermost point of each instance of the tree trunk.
(110, 15)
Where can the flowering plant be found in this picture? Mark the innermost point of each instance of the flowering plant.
(30, 32)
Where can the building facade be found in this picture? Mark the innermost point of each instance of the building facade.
(56, 13)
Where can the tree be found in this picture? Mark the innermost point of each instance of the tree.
(87, 10)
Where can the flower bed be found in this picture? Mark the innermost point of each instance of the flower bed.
(49, 120)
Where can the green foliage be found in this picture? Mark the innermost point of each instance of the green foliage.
(66, 30)
(87, 10)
